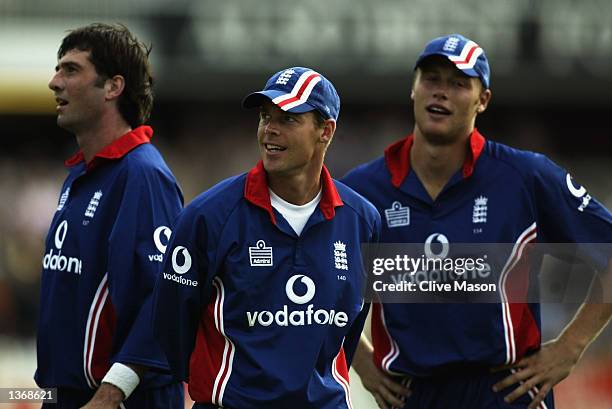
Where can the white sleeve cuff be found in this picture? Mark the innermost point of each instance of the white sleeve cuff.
(123, 377)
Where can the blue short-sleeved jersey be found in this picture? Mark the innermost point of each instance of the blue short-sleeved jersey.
(252, 314)
(103, 252)
(501, 195)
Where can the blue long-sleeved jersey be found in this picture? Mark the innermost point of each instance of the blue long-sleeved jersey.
(252, 314)
(501, 195)
(103, 252)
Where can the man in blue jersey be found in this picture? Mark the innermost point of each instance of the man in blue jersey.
(259, 303)
(445, 183)
(109, 233)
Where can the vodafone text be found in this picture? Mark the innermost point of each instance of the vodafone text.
(298, 318)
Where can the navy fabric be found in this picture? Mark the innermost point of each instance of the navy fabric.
(103, 252)
(466, 389)
(525, 193)
(253, 329)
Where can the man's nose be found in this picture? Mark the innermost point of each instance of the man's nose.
(54, 82)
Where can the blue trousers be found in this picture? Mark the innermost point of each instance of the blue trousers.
(466, 389)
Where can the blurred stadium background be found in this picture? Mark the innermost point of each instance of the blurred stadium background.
(552, 91)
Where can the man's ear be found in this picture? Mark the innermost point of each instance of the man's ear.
(114, 87)
(417, 72)
(483, 101)
(329, 128)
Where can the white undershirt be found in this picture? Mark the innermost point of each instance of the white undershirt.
(296, 215)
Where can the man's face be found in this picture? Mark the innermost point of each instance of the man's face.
(288, 142)
(78, 90)
(446, 101)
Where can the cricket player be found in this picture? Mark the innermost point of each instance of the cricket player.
(451, 185)
(259, 303)
(109, 233)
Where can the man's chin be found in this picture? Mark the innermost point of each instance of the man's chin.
(62, 121)
(440, 136)
(272, 166)
(65, 123)
(439, 139)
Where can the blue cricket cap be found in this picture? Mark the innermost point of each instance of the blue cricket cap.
(468, 56)
(298, 90)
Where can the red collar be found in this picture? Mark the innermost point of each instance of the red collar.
(397, 157)
(116, 149)
(256, 191)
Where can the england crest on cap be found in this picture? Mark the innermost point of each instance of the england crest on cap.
(467, 56)
(298, 90)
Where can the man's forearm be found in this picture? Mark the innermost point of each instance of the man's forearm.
(592, 316)
(363, 353)
(108, 394)
(116, 388)
(586, 325)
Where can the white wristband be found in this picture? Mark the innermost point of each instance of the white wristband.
(123, 377)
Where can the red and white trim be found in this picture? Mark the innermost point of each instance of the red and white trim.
(228, 351)
(93, 318)
(469, 54)
(300, 92)
(532, 392)
(117, 149)
(528, 235)
(340, 374)
(394, 350)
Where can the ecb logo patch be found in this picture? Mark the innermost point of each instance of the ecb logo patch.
(340, 259)
(260, 255)
(284, 78)
(479, 212)
(397, 215)
(93, 204)
(451, 44)
(63, 199)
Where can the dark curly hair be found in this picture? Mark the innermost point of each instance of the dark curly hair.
(116, 51)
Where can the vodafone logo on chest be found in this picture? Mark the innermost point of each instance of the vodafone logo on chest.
(436, 246)
(161, 236)
(300, 299)
(181, 264)
(181, 267)
(56, 261)
(300, 289)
